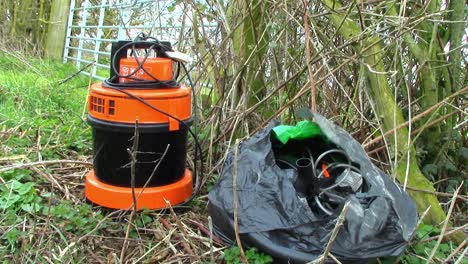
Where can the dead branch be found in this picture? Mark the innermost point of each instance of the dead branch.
(46, 162)
(235, 201)
(334, 233)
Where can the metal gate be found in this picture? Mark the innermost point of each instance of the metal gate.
(93, 25)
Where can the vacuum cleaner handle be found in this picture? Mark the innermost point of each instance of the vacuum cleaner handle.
(120, 49)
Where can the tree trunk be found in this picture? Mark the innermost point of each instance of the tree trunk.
(250, 43)
(55, 38)
(456, 30)
(388, 111)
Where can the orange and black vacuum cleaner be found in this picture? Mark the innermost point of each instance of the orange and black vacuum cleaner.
(143, 92)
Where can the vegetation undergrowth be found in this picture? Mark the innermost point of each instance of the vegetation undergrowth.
(376, 65)
(233, 256)
(44, 217)
(38, 101)
(40, 119)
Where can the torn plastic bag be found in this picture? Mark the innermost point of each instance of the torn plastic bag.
(274, 218)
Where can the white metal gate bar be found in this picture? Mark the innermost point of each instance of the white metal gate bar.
(85, 41)
(84, 17)
(99, 34)
(89, 34)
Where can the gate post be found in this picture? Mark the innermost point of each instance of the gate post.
(55, 37)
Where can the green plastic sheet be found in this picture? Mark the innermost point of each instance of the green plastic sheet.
(302, 130)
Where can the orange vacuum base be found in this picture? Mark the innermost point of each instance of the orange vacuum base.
(115, 197)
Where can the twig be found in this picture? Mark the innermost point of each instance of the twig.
(313, 89)
(416, 118)
(461, 197)
(462, 256)
(235, 201)
(442, 232)
(133, 157)
(127, 234)
(178, 222)
(76, 73)
(184, 236)
(53, 181)
(448, 233)
(334, 233)
(105, 218)
(46, 162)
(301, 93)
(210, 225)
(417, 131)
(460, 247)
(208, 232)
(397, 260)
(334, 258)
(154, 247)
(154, 171)
(419, 222)
(184, 244)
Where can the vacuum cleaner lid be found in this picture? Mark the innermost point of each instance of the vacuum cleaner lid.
(113, 106)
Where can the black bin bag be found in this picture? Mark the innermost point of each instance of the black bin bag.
(275, 218)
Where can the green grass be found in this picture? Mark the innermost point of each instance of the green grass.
(40, 117)
(33, 101)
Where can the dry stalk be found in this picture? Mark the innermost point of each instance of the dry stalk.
(313, 89)
(166, 238)
(334, 233)
(210, 225)
(133, 158)
(448, 233)
(208, 232)
(96, 258)
(458, 249)
(442, 194)
(90, 81)
(417, 117)
(46, 162)
(416, 131)
(53, 181)
(462, 256)
(38, 144)
(182, 241)
(185, 234)
(334, 258)
(91, 64)
(235, 201)
(446, 222)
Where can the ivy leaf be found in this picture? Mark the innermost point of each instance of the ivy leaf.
(449, 166)
(445, 248)
(25, 188)
(409, 259)
(463, 152)
(7, 202)
(424, 231)
(31, 207)
(430, 169)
